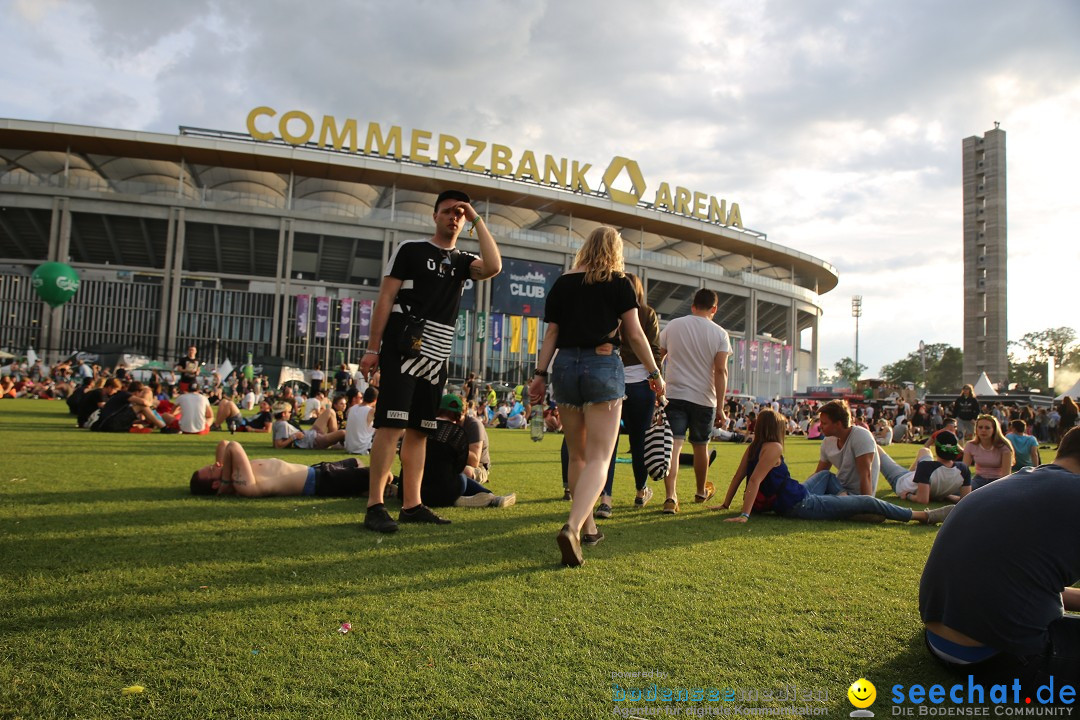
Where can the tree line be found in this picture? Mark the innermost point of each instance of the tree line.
(939, 366)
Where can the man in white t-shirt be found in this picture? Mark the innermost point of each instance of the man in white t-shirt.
(359, 431)
(696, 351)
(313, 407)
(852, 450)
(196, 415)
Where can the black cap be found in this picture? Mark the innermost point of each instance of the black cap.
(451, 195)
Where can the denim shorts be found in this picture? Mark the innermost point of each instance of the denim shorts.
(579, 377)
(683, 414)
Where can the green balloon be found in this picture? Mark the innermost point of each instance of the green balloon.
(54, 283)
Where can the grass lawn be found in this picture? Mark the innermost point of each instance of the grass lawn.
(114, 576)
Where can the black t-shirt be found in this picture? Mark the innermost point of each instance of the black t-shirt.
(432, 279)
(588, 315)
(341, 381)
(1001, 560)
(445, 458)
(966, 408)
(189, 368)
(260, 421)
(88, 403)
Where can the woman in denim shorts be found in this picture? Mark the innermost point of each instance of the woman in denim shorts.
(583, 313)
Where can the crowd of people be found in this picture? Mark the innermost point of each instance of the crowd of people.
(604, 364)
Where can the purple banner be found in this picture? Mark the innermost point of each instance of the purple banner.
(788, 351)
(345, 326)
(754, 355)
(742, 354)
(496, 332)
(778, 358)
(322, 316)
(364, 326)
(303, 305)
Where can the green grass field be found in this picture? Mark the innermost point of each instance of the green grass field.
(114, 576)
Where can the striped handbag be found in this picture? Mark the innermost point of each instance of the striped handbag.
(659, 442)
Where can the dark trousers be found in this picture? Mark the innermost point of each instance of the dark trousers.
(1060, 661)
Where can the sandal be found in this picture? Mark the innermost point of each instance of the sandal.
(710, 490)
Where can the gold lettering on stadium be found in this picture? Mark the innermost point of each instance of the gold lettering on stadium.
(296, 127)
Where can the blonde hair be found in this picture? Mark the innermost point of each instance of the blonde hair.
(601, 257)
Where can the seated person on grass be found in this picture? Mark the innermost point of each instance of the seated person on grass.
(126, 406)
(233, 473)
(930, 479)
(322, 434)
(446, 479)
(194, 411)
(229, 415)
(1025, 447)
(883, 433)
(769, 486)
(998, 582)
(851, 449)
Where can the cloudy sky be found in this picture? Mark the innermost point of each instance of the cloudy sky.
(836, 126)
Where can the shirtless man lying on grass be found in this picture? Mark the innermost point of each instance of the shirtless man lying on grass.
(233, 473)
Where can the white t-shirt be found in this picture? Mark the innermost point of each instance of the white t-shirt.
(691, 343)
(193, 407)
(312, 407)
(859, 442)
(358, 431)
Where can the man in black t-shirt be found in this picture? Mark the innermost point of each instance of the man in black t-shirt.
(999, 577)
(189, 368)
(422, 286)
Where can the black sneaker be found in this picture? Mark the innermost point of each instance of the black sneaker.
(421, 514)
(170, 430)
(376, 518)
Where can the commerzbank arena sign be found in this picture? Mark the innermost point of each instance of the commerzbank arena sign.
(296, 127)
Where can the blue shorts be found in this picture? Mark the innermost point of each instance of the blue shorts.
(309, 484)
(699, 419)
(579, 377)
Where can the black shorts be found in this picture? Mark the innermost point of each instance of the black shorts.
(405, 401)
(344, 478)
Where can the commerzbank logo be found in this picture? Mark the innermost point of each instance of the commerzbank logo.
(296, 127)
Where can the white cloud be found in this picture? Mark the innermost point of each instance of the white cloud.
(836, 126)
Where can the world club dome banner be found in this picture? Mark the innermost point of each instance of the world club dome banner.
(364, 324)
(522, 286)
(303, 304)
(322, 316)
(345, 326)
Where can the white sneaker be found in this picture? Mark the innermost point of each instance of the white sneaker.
(483, 499)
(502, 501)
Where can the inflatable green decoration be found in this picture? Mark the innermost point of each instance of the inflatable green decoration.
(54, 283)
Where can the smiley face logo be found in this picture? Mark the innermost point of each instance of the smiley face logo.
(862, 693)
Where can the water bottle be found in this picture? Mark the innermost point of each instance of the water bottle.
(536, 424)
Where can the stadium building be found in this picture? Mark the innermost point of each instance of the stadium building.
(273, 241)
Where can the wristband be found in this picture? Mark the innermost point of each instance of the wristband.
(541, 374)
(371, 352)
(655, 374)
(472, 227)
(745, 515)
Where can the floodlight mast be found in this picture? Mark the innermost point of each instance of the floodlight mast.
(856, 312)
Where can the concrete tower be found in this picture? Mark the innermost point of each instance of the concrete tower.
(985, 258)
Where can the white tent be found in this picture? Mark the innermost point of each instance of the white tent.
(1073, 392)
(983, 387)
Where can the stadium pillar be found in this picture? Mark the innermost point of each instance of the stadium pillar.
(275, 325)
(164, 319)
(286, 290)
(174, 286)
(52, 318)
(751, 334)
(793, 343)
